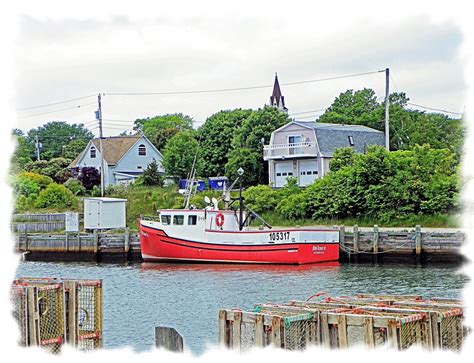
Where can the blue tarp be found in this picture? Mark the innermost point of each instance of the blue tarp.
(201, 184)
(217, 183)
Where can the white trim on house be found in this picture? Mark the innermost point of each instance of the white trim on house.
(135, 143)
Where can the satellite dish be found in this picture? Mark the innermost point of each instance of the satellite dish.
(207, 200)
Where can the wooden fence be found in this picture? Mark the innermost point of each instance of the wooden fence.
(34, 223)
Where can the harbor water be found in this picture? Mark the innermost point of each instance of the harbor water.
(187, 297)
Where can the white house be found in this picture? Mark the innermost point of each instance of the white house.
(303, 149)
(125, 158)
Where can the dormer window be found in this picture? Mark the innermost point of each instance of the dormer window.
(351, 140)
(92, 152)
(142, 150)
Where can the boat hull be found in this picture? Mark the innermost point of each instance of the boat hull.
(156, 245)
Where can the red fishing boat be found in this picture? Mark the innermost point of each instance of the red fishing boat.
(214, 235)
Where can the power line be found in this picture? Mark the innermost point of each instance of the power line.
(434, 109)
(300, 113)
(238, 88)
(63, 109)
(55, 103)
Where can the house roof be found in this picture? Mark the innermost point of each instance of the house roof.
(333, 136)
(115, 148)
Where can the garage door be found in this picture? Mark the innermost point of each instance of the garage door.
(283, 171)
(308, 172)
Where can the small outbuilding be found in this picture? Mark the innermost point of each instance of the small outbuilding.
(104, 213)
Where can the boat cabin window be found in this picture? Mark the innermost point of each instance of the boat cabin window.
(178, 220)
(192, 220)
(165, 219)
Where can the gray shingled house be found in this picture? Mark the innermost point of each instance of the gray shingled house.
(303, 149)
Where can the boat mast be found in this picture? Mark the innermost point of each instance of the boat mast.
(191, 176)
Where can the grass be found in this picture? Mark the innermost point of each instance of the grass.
(142, 200)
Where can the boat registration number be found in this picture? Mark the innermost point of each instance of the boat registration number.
(279, 236)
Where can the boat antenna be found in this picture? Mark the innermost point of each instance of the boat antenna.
(190, 189)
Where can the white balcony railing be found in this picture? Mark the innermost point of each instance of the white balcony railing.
(281, 151)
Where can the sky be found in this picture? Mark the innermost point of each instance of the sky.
(60, 59)
(53, 51)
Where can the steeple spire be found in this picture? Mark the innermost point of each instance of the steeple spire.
(276, 99)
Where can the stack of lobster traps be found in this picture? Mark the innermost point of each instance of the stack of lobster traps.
(51, 312)
(399, 321)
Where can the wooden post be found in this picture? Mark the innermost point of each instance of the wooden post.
(67, 241)
(223, 337)
(342, 331)
(356, 238)
(418, 242)
(325, 331)
(342, 240)
(26, 240)
(259, 331)
(376, 239)
(392, 335)
(168, 338)
(72, 323)
(96, 241)
(434, 329)
(236, 330)
(369, 332)
(127, 240)
(33, 316)
(276, 332)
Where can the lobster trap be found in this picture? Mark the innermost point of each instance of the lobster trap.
(51, 311)
(244, 330)
(400, 321)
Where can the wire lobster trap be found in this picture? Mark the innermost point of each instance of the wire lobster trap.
(85, 320)
(348, 327)
(244, 330)
(58, 311)
(19, 302)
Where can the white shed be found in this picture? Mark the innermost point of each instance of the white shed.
(102, 213)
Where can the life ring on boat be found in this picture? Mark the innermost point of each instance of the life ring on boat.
(219, 219)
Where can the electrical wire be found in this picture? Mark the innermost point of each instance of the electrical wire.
(235, 89)
(63, 109)
(55, 103)
(434, 109)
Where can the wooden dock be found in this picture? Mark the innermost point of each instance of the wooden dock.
(416, 246)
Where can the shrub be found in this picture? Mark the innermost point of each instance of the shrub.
(293, 207)
(151, 176)
(75, 186)
(89, 177)
(55, 196)
(261, 198)
(24, 187)
(42, 180)
(95, 192)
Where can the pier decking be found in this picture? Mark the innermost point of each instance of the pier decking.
(416, 246)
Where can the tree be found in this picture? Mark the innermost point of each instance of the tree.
(56, 134)
(89, 177)
(257, 127)
(74, 148)
(55, 196)
(179, 153)
(246, 159)
(55, 168)
(216, 141)
(151, 176)
(160, 129)
(354, 108)
(23, 150)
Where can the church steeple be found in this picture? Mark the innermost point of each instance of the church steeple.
(276, 99)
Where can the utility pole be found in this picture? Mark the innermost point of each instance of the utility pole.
(102, 171)
(38, 147)
(387, 94)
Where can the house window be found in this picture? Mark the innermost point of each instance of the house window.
(142, 150)
(192, 220)
(351, 140)
(92, 152)
(139, 167)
